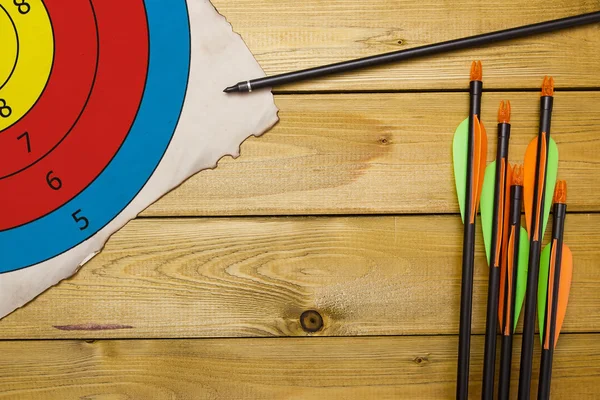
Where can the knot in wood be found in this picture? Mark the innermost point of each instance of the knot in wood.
(311, 321)
(420, 360)
(384, 140)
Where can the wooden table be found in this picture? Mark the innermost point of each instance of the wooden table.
(346, 207)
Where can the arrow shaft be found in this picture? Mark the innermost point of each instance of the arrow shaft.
(466, 305)
(466, 293)
(421, 51)
(476, 88)
(536, 234)
(545, 374)
(510, 279)
(546, 105)
(516, 202)
(491, 328)
(552, 297)
(533, 274)
(505, 367)
(552, 284)
(558, 228)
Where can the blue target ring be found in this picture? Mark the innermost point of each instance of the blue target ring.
(137, 158)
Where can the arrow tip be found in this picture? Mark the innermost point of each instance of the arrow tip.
(476, 71)
(548, 86)
(504, 112)
(560, 192)
(231, 89)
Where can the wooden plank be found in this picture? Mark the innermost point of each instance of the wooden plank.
(381, 153)
(315, 368)
(255, 277)
(290, 35)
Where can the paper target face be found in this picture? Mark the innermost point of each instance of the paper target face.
(106, 106)
(86, 114)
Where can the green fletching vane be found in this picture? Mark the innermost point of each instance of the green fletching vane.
(459, 155)
(521, 285)
(543, 288)
(486, 205)
(551, 174)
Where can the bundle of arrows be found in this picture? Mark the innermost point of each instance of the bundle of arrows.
(519, 271)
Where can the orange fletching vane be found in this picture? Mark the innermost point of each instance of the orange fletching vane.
(500, 221)
(506, 223)
(503, 210)
(550, 299)
(541, 180)
(506, 262)
(564, 288)
(506, 279)
(566, 276)
(502, 288)
(511, 284)
(529, 181)
(479, 160)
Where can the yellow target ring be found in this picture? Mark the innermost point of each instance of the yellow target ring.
(34, 43)
(10, 46)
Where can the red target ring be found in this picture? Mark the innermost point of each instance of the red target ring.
(72, 166)
(66, 92)
(98, 133)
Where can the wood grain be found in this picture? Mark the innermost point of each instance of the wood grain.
(346, 154)
(290, 35)
(222, 277)
(381, 153)
(237, 369)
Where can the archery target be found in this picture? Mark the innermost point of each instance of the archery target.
(106, 106)
(90, 97)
